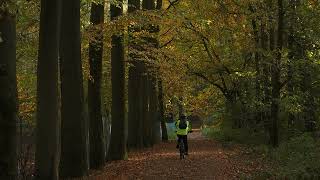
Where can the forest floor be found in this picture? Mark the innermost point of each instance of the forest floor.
(208, 159)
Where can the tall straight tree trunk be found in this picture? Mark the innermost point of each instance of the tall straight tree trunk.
(74, 130)
(265, 77)
(47, 138)
(143, 104)
(147, 122)
(149, 43)
(97, 140)
(292, 57)
(154, 108)
(164, 132)
(8, 94)
(133, 107)
(118, 144)
(134, 120)
(267, 40)
(159, 4)
(180, 106)
(257, 57)
(275, 79)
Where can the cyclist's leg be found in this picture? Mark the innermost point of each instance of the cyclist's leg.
(185, 141)
(178, 140)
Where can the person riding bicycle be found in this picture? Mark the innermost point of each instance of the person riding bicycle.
(183, 127)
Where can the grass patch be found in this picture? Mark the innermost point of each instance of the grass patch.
(242, 136)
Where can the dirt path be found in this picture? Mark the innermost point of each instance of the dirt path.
(207, 160)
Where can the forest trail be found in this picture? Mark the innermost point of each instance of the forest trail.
(207, 159)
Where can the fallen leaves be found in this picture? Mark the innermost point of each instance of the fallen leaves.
(207, 160)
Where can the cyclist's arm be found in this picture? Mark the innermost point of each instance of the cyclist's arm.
(176, 126)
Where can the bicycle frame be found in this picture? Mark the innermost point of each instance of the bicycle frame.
(181, 149)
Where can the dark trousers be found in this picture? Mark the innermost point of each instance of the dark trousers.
(185, 141)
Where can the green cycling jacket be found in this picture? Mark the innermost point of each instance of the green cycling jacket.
(183, 131)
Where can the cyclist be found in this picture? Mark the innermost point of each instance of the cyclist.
(183, 127)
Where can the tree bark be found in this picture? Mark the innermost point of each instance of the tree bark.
(275, 79)
(118, 144)
(257, 58)
(8, 94)
(164, 132)
(133, 5)
(154, 110)
(134, 120)
(292, 56)
(265, 77)
(148, 79)
(159, 4)
(96, 134)
(161, 113)
(147, 121)
(47, 138)
(74, 126)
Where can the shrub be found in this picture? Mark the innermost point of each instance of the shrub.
(297, 157)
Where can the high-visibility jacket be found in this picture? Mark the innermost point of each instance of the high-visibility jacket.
(183, 131)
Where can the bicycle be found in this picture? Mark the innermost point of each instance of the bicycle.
(182, 149)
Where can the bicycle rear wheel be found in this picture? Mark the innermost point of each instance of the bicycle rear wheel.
(181, 149)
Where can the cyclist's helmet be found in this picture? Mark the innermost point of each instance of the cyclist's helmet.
(183, 117)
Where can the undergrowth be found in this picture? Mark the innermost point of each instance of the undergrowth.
(295, 158)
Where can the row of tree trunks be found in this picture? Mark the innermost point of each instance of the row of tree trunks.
(272, 39)
(143, 95)
(8, 94)
(73, 154)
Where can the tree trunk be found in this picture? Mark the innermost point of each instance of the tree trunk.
(164, 132)
(275, 79)
(159, 4)
(257, 56)
(133, 5)
(97, 140)
(309, 104)
(265, 78)
(148, 4)
(161, 113)
(292, 56)
(147, 122)
(180, 106)
(134, 123)
(154, 109)
(47, 139)
(133, 107)
(118, 144)
(8, 94)
(143, 105)
(74, 130)
(148, 43)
